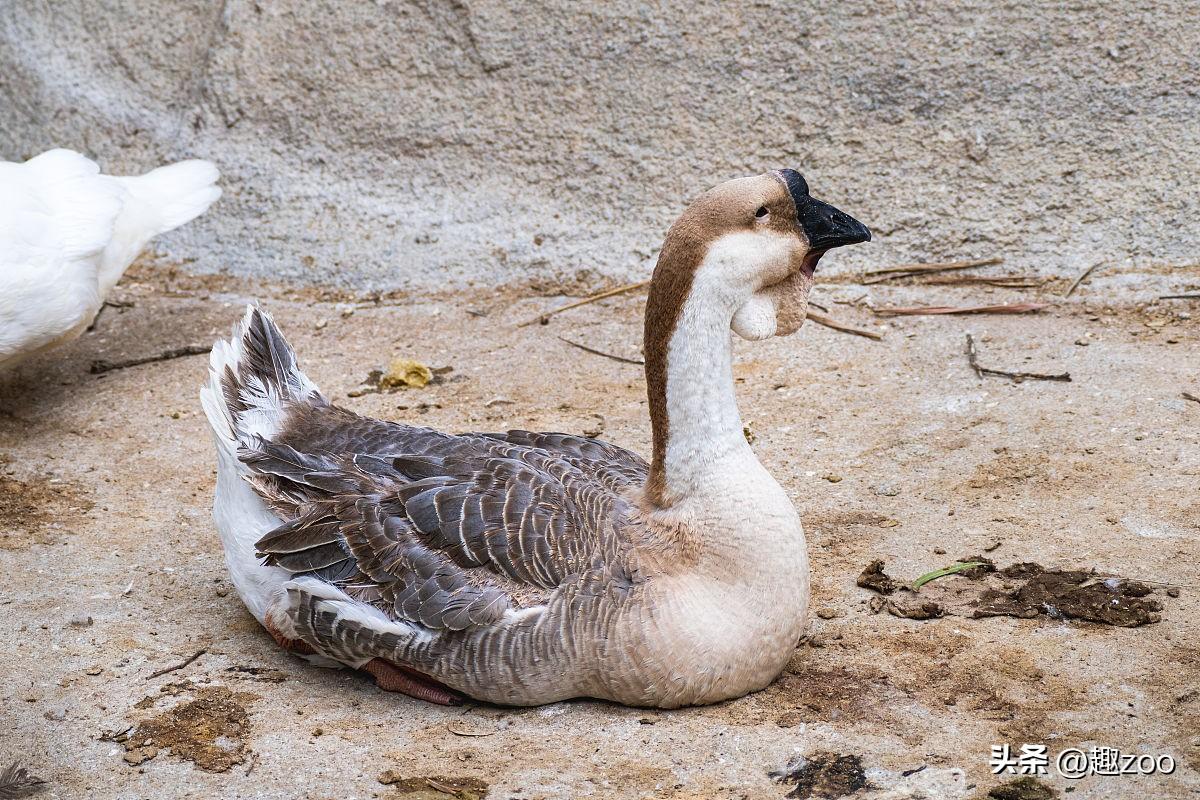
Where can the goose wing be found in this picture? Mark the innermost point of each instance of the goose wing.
(445, 531)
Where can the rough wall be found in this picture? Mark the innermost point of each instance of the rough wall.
(417, 142)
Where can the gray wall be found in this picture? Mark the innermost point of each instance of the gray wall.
(403, 143)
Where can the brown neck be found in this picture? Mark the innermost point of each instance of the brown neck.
(669, 289)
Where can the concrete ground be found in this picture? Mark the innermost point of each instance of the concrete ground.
(892, 450)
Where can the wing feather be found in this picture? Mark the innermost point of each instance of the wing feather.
(447, 532)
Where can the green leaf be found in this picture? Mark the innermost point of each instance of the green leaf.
(957, 566)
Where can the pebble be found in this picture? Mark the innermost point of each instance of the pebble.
(833, 478)
(830, 613)
(140, 755)
(887, 490)
(80, 621)
(94, 670)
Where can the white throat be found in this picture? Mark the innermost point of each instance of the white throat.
(705, 428)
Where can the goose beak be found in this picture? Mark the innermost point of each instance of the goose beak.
(825, 226)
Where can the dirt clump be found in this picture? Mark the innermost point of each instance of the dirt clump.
(1071, 594)
(916, 608)
(1025, 788)
(874, 578)
(827, 775)
(209, 731)
(1026, 590)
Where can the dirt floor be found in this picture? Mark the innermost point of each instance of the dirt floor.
(892, 450)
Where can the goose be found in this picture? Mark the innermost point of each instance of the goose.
(526, 568)
(67, 234)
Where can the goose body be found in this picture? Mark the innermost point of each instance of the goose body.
(67, 234)
(524, 568)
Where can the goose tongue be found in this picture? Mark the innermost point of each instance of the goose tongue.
(809, 265)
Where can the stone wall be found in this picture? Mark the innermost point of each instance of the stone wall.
(406, 143)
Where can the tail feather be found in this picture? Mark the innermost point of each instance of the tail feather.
(154, 203)
(170, 196)
(253, 378)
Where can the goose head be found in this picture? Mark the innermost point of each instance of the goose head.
(757, 241)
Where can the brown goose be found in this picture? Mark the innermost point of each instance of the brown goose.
(524, 568)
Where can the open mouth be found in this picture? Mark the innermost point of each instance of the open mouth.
(809, 265)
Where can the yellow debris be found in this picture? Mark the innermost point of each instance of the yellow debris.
(405, 372)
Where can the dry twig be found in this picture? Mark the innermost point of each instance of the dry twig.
(1011, 308)
(1190, 396)
(1179, 297)
(1082, 277)
(115, 736)
(596, 352)
(100, 365)
(545, 317)
(178, 666)
(999, 281)
(106, 305)
(452, 728)
(973, 360)
(443, 788)
(911, 270)
(821, 319)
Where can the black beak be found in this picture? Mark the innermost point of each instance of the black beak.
(824, 225)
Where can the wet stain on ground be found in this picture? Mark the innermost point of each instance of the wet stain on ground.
(827, 775)
(809, 693)
(209, 731)
(437, 787)
(29, 509)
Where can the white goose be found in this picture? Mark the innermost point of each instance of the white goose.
(524, 568)
(67, 234)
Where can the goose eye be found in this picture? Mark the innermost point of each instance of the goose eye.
(762, 212)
